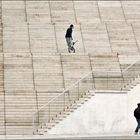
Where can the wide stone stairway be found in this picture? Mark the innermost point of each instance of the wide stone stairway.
(40, 82)
(30, 81)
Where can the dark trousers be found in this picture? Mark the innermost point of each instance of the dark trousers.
(138, 126)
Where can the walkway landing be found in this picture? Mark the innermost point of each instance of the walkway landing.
(73, 137)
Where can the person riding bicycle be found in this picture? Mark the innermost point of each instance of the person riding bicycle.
(69, 39)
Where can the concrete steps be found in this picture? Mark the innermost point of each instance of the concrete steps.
(38, 11)
(19, 109)
(13, 12)
(47, 72)
(103, 80)
(42, 38)
(122, 38)
(113, 7)
(92, 38)
(131, 11)
(75, 67)
(95, 38)
(63, 114)
(136, 29)
(18, 73)
(2, 117)
(58, 8)
(19, 130)
(32, 71)
(86, 15)
(131, 76)
(16, 36)
(1, 73)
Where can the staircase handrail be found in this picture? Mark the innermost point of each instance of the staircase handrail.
(74, 86)
(82, 79)
(77, 83)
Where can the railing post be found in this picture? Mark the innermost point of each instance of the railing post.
(134, 72)
(49, 113)
(93, 83)
(107, 80)
(69, 96)
(64, 101)
(33, 124)
(78, 90)
(123, 81)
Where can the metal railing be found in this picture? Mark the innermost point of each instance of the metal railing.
(131, 72)
(102, 80)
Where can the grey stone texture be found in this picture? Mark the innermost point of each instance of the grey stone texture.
(35, 65)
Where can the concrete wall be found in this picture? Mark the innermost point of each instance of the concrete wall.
(103, 114)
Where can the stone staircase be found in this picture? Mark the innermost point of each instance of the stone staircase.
(48, 73)
(131, 76)
(113, 7)
(107, 75)
(42, 38)
(65, 105)
(62, 105)
(35, 66)
(37, 11)
(19, 93)
(74, 67)
(86, 15)
(47, 76)
(95, 38)
(2, 115)
(58, 8)
(15, 38)
(18, 72)
(122, 38)
(13, 12)
(19, 107)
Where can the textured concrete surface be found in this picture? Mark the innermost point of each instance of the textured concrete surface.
(33, 51)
